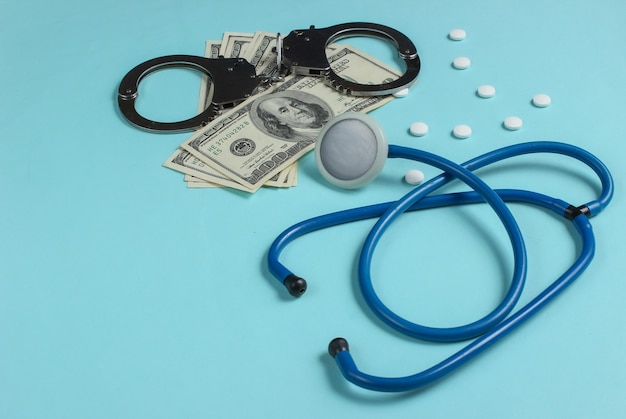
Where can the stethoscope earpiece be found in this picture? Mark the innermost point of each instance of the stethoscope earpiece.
(351, 150)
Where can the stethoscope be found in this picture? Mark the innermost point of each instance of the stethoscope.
(351, 151)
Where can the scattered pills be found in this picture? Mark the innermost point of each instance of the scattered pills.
(418, 129)
(513, 123)
(402, 93)
(457, 34)
(542, 100)
(486, 91)
(414, 177)
(461, 63)
(462, 131)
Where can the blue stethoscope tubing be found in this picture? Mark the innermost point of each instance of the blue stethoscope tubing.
(495, 325)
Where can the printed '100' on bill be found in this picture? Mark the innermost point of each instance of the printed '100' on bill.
(265, 134)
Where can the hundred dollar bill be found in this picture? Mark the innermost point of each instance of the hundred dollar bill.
(212, 49)
(291, 178)
(261, 53)
(265, 134)
(286, 179)
(185, 162)
(234, 44)
(193, 182)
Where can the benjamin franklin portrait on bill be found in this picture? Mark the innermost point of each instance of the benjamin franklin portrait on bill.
(290, 115)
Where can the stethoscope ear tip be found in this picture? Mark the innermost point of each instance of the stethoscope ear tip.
(295, 285)
(338, 345)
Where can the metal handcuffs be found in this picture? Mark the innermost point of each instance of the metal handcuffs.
(302, 52)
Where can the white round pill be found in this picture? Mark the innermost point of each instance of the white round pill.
(402, 93)
(542, 100)
(462, 131)
(513, 123)
(486, 91)
(461, 63)
(457, 34)
(418, 129)
(414, 177)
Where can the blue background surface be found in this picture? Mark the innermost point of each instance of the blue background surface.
(123, 294)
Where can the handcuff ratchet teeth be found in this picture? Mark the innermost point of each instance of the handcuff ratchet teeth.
(234, 80)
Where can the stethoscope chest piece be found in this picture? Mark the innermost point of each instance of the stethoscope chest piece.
(351, 150)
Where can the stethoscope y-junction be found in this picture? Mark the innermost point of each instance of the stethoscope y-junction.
(351, 151)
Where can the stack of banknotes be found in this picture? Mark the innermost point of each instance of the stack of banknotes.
(259, 142)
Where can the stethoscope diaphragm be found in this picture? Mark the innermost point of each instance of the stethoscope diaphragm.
(351, 150)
